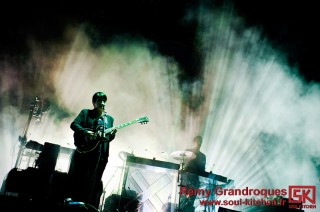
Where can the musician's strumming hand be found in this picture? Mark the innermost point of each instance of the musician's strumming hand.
(90, 134)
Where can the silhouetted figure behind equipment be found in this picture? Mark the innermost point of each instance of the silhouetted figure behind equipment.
(190, 178)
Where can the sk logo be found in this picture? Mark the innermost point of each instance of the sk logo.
(302, 194)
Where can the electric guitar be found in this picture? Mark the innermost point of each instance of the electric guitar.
(89, 143)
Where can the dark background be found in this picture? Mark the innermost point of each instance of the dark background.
(290, 25)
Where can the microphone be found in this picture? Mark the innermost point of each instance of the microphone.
(103, 105)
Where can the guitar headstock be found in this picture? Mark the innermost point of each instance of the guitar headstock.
(142, 120)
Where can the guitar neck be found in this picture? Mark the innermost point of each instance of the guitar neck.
(121, 126)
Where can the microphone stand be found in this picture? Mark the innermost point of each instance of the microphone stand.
(23, 139)
(180, 181)
(37, 108)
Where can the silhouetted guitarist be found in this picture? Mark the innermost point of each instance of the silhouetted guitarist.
(87, 167)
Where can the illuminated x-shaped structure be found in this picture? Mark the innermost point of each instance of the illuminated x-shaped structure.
(153, 182)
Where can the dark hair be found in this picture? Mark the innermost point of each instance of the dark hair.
(99, 95)
(198, 139)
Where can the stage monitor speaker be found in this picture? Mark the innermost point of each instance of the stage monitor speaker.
(153, 183)
(28, 184)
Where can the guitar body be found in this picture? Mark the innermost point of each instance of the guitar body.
(85, 144)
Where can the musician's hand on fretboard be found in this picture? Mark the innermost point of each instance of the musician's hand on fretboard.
(113, 132)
